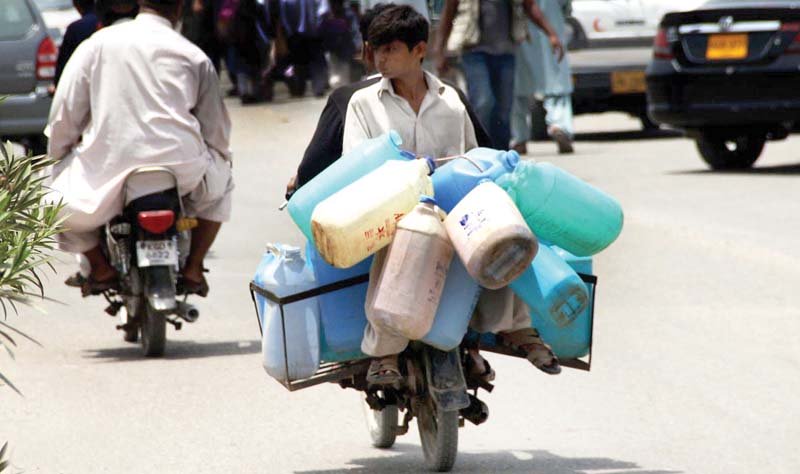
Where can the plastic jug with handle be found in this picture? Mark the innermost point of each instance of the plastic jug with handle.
(283, 272)
(490, 236)
(452, 181)
(342, 313)
(362, 218)
(413, 274)
(575, 341)
(363, 159)
(562, 209)
(554, 292)
(459, 297)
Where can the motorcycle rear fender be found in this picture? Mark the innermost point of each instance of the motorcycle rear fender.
(159, 287)
(445, 378)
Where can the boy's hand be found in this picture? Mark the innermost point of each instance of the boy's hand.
(291, 187)
(558, 48)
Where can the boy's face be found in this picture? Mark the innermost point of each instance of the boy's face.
(394, 59)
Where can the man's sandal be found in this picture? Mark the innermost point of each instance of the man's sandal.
(384, 371)
(90, 286)
(479, 368)
(529, 342)
(75, 280)
(190, 287)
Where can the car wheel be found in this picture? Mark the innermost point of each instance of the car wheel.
(36, 145)
(725, 152)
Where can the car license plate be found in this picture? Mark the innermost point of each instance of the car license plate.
(151, 253)
(627, 82)
(727, 47)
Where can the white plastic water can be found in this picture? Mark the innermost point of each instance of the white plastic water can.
(362, 218)
(413, 275)
(284, 272)
(490, 236)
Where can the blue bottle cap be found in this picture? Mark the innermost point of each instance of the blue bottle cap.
(394, 137)
(431, 164)
(511, 159)
(427, 200)
(408, 155)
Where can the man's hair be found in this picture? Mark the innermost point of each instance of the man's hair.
(109, 11)
(84, 5)
(401, 23)
(164, 7)
(368, 16)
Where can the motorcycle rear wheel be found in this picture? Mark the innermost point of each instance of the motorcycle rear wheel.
(382, 425)
(438, 434)
(154, 332)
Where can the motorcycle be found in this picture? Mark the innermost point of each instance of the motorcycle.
(147, 244)
(435, 388)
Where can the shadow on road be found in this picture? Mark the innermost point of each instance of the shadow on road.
(177, 350)
(410, 459)
(627, 135)
(765, 170)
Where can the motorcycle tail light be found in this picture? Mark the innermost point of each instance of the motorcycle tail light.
(156, 222)
(661, 46)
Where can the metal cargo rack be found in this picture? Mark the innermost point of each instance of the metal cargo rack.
(351, 373)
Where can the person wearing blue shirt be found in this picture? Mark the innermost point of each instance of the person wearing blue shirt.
(76, 32)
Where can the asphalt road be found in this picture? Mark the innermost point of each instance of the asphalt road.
(695, 367)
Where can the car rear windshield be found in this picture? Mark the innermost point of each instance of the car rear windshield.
(16, 19)
(751, 2)
(53, 4)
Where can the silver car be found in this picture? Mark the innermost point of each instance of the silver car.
(27, 68)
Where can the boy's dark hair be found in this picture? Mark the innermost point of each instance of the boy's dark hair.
(401, 23)
(85, 5)
(368, 16)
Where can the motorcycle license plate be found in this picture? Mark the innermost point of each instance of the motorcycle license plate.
(151, 253)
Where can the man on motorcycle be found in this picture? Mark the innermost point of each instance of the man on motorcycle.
(432, 121)
(139, 94)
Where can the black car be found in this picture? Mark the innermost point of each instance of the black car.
(729, 74)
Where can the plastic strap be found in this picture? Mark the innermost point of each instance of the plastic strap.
(331, 287)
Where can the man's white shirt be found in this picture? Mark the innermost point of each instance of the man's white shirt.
(133, 94)
(441, 128)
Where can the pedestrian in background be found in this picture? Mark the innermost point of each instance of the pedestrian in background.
(339, 32)
(421, 6)
(198, 27)
(486, 33)
(298, 22)
(77, 31)
(541, 75)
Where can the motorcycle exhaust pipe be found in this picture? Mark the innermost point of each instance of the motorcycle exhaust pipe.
(187, 312)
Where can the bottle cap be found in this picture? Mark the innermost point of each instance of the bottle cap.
(427, 200)
(431, 164)
(408, 155)
(292, 252)
(394, 137)
(511, 159)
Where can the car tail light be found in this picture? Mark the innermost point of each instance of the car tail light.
(156, 222)
(794, 46)
(661, 46)
(46, 58)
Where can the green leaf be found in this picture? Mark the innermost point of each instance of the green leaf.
(13, 387)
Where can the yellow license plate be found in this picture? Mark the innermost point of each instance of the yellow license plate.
(627, 82)
(727, 47)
